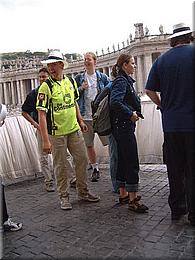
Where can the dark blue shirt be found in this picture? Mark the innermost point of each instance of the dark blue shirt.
(172, 74)
(29, 105)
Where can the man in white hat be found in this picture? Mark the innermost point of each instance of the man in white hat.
(172, 74)
(61, 128)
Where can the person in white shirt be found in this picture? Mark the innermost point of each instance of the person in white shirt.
(90, 83)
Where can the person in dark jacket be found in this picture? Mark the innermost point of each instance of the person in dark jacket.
(30, 113)
(125, 109)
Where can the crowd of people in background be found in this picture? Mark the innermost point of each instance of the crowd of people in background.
(60, 110)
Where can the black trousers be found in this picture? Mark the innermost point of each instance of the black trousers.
(128, 163)
(3, 206)
(179, 151)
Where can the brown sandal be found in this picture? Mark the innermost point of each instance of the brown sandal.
(135, 206)
(124, 200)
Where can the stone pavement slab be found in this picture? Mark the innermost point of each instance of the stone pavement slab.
(104, 230)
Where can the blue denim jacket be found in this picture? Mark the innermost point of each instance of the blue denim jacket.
(102, 81)
(123, 98)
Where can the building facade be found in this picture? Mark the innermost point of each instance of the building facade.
(19, 77)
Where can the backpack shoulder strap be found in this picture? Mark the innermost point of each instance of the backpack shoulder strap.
(50, 85)
(73, 83)
(71, 80)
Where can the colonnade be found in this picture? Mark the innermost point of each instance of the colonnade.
(14, 92)
(16, 84)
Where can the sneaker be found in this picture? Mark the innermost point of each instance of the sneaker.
(73, 183)
(135, 206)
(89, 197)
(50, 187)
(98, 174)
(95, 175)
(9, 225)
(89, 167)
(65, 204)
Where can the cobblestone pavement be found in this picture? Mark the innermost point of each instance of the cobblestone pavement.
(103, 230)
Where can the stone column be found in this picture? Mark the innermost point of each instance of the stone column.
(18, 91)
(22, 91)
(139, 80)
(104, 70)
(32, 83)
(36, 82)
(13, 99)
(109, 72)
(147, 65)
(1, 93)
(5, 93)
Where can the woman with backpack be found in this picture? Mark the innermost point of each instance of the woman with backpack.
(125, 110)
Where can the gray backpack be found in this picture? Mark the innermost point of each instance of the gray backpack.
(101, 113)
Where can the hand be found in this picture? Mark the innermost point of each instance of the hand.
(83, 127)
(47, 148)
(36, 125)
(134, 117)
(84, 85)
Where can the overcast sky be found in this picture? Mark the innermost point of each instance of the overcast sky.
(83, 25)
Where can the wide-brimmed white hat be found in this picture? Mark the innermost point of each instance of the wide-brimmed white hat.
(55, 56)
(180, 29)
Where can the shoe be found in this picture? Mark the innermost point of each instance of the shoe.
(98, 173)
(73, 183)
(89, 197)
(50, 187)
(192, 222)
(89, 167)
(65, 204)
(125, 200)
(9, 225)
(191, 219)
(95, 175)
(178, 216)
(135, 206)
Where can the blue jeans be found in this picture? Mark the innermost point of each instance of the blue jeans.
(113, 161)
(128, 163)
